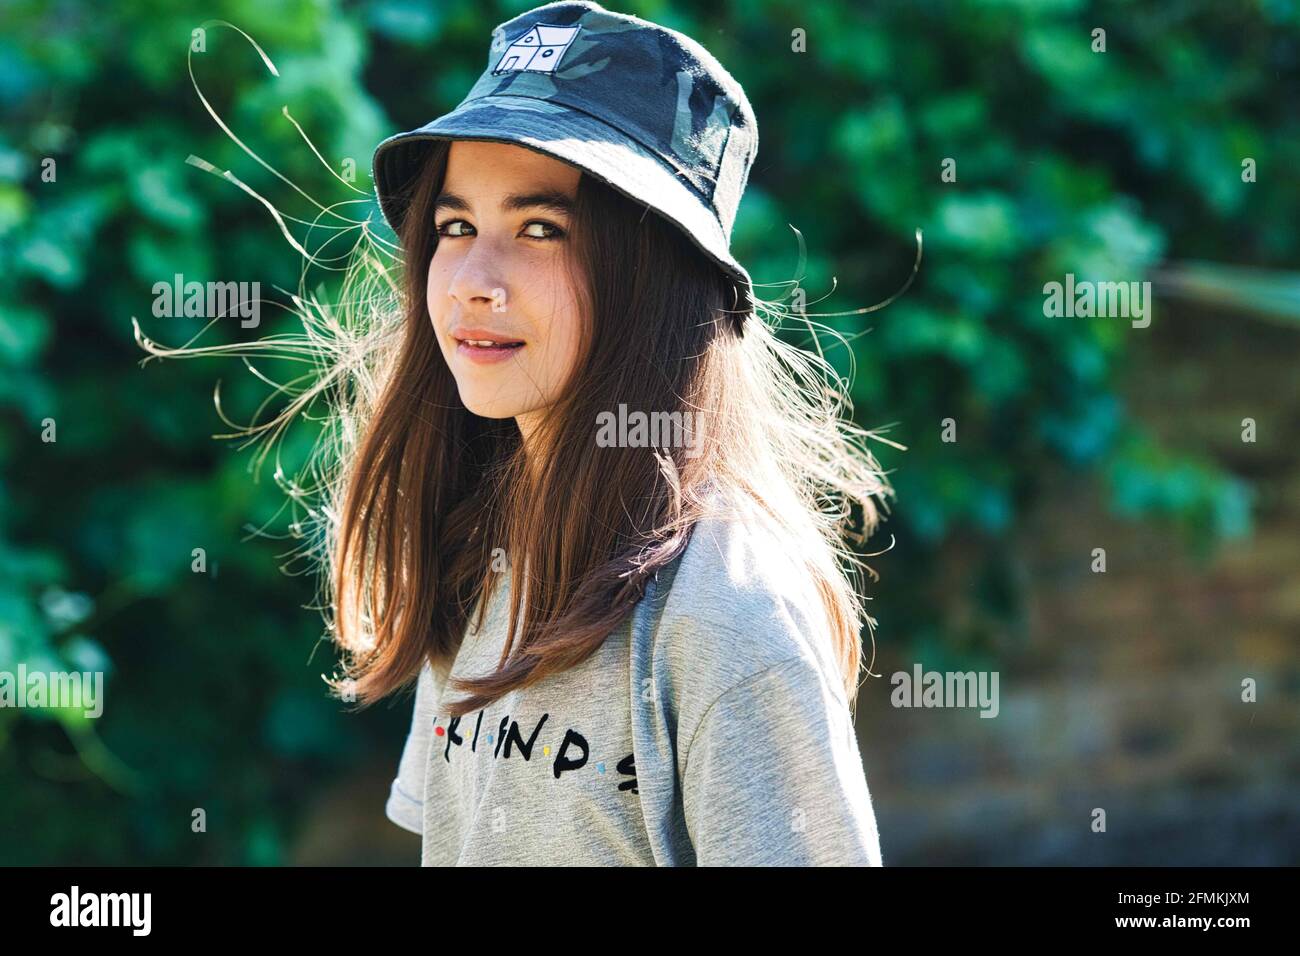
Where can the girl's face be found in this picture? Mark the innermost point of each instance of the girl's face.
(501, 273)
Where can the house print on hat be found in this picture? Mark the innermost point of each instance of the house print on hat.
(539, 50)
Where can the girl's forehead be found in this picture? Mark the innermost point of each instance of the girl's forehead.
(481, 162)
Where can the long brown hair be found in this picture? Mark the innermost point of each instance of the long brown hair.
(411, 502)
(437, 495)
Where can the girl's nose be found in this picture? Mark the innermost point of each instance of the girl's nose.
(479, 281)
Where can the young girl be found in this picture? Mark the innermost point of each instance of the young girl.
(577, 489)
(597, 510)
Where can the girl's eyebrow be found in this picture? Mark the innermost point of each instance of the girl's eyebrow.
(552, 199)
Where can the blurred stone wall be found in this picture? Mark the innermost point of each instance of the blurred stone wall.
(1128, 696)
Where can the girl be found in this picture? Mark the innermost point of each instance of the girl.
(634, 644)
(581, 493)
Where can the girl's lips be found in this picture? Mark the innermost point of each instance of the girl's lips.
(486, 356)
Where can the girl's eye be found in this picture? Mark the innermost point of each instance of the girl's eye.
(454, 228)
(543, 230)
(537, 229)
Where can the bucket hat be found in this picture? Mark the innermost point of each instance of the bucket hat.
(640, 107)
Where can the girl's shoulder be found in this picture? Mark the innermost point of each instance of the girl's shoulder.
(740, 601)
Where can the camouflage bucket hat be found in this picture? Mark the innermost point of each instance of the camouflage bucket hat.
(640, 107)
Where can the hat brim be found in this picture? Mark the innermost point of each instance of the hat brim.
(573, 137)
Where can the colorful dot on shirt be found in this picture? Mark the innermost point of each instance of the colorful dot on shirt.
(546, 751)
(600, 767)
(439, 731)
(489, 738)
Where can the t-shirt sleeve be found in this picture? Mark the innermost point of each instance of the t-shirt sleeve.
(406, 796)
(773, 776)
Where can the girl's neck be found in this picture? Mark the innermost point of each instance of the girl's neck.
(527, 424)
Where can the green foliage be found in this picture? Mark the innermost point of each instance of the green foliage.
(1067, 161)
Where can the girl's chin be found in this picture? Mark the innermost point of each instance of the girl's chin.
(490, 407)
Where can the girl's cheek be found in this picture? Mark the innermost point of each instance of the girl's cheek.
(435, 290)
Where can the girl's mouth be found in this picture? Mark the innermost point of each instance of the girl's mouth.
(484, 351)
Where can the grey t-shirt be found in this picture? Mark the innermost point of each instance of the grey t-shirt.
(710, 728)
